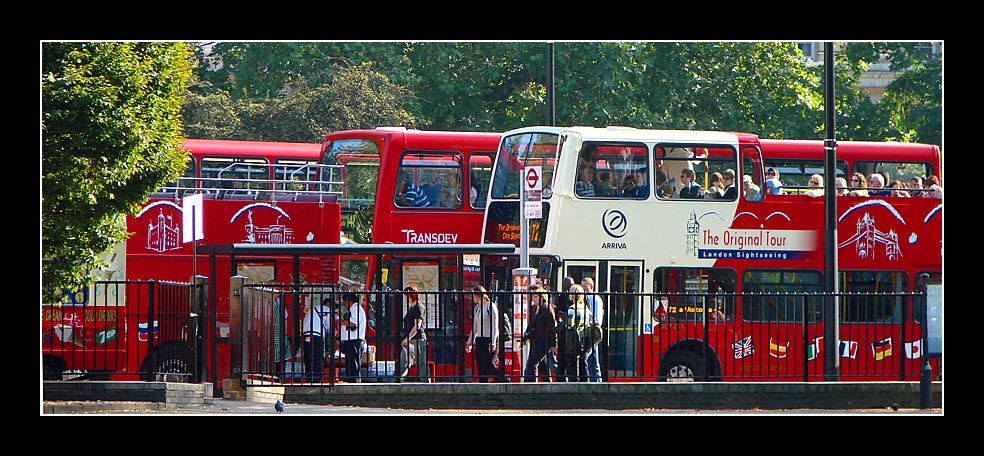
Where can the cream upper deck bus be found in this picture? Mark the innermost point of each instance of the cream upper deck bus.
(667, 266)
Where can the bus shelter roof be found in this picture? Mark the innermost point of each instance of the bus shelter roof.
(353, 249)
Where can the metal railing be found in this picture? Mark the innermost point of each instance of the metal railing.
(127, 330)
(252, 181)
(647, 337)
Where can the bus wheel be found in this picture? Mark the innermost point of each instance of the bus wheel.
(52, 368)
(170, 362)
(681, 365)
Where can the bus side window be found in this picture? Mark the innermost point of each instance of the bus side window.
(422, 177)
(479, 175)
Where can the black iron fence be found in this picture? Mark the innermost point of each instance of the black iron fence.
(645, 337)
(126, 330)
(151, 330)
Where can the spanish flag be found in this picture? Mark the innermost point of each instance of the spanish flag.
(777, 348)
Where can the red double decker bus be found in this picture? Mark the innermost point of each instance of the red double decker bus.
(697, 287)
(251, 192)
(450, 171)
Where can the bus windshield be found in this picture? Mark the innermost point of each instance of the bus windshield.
(522, 150)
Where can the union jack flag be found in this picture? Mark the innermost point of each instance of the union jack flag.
(743, 347)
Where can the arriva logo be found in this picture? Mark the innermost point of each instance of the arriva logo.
(614, 223)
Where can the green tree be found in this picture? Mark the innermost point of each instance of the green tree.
(111, 123)
(269, 70)
(353, 98)
(209, 112)
(301, 103)
(474, 86)
(767, 88)
(760, 87)
(911, 109)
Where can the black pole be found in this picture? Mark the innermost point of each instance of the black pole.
(926, 372)
(831, 319)
(194, 244)
(551, 113)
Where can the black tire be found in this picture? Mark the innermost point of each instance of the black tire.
(168, 358)
(681, 365)
(52, 368)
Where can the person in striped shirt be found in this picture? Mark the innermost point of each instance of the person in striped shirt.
(410, 194)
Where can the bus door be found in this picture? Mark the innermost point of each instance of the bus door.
(621, 353)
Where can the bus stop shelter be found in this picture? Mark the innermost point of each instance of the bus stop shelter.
(296, 251)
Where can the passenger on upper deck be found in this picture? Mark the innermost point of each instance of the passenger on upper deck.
(410, 195)
(752, 191)
(663, 188)
(877, 182)
(584, 186)
(715, 188)
(474, 187)
(452, 193)
(816, 186)
(432, 188)
(841, 185)
(935, 191)
(730, 191)
(642, 183)
(629, 187)
(605, 181)
(898, 188)
(859, 185)
(588, 158)
(587, 184)
(689, 188)
(916, 184)
(773, 185)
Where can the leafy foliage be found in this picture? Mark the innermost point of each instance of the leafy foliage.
(111, 124)
(210, 113)
(112, 112)
(349, 97)
(912, 107)
(767, 88)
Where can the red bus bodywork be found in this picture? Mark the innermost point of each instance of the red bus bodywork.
(281, 203)
(425, 156)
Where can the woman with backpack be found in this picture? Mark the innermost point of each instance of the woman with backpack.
(578, 316)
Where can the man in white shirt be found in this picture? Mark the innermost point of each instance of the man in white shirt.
(352, 335)
(597, 307)
(313, 330)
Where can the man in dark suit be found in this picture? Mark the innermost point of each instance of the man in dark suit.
(690, 189)
(730, 190)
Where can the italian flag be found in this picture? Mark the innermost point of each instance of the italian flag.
(814, 348)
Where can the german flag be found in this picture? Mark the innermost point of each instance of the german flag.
(882, 349)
